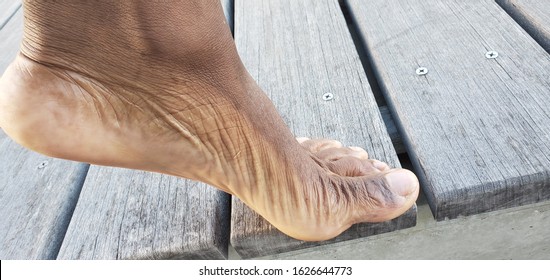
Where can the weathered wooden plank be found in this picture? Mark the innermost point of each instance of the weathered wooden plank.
(37, 193)
(10, 37)
(298, 51)
(8, 8)
(129, 214)
(533, 15)
(392, 130)
(477, 128)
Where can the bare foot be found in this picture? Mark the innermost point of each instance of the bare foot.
(162, 88)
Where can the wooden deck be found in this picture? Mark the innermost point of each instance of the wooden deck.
(475, 124)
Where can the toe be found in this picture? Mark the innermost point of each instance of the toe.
(332, 154)
(384, 196)
(382, 166)
(353, 167)
(358, 149)
(402, 182)
(316, 145)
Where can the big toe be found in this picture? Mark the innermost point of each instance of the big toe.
(385, 196)
(403, 182)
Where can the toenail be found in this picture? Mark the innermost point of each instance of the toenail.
(301, 139)
(403, 182)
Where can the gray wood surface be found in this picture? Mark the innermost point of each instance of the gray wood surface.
(10, 38)
(7, 10)
(533, 15)
(477, 129)
(129, 214)
(37, 197)
(298, 51)
(394, 133)
(37, 193)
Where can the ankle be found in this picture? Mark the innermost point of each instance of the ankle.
(92, 35)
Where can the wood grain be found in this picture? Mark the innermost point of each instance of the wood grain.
(38, 195)
(477, 129)
(393, 131)
(533, 16)
(10, 38)
(129, 214)
(7, 9)
(297, 51)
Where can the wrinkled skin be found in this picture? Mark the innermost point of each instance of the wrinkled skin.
(160, 87)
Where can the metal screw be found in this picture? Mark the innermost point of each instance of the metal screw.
(422, 71)
(42, 164)
(328, 96)
(491, 54)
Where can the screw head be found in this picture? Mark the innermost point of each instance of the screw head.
(421, 71)
(328, 96)
(491, 54)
